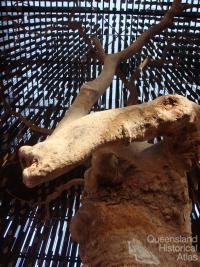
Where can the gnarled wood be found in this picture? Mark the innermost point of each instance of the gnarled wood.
(135, 207)
(75, 142)
(131, 190)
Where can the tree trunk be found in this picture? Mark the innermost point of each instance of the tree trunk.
(136, 209)
(133, 194)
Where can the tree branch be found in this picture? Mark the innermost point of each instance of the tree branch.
(148, 62)
(131, 84)
(166, 116)
(58, 190)
(92, 90)
(167, 21)
(29, 124)
(74, 140)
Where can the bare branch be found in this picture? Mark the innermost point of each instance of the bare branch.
(157, 63)
(91, 91)
(100, 51)
(75, 142)
(134, 77)
(166, 21)
(58, 190)
(29, 124)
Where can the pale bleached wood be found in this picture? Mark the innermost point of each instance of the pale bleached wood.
(74, 139)
(92, 90)
(170, 115)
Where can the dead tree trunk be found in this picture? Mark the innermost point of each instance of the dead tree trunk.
(136, 208)
(134, 193)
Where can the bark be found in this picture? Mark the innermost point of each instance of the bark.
(140, 194)
(139, 198)
(135, 207)
(132, 190)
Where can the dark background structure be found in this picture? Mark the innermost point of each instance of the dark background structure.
(46, 55)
